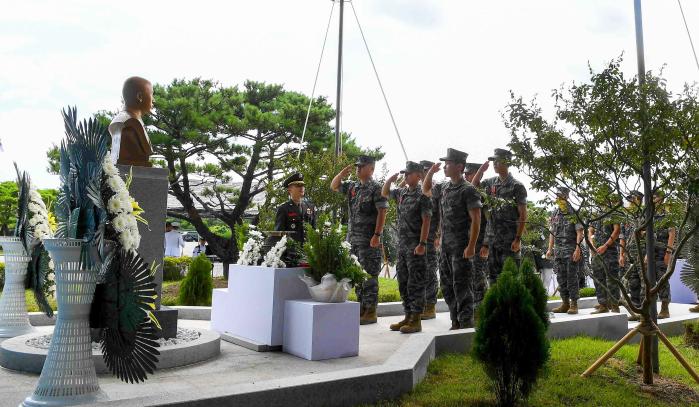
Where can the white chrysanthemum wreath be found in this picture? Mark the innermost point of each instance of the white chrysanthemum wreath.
(123, 210)
(252, 250)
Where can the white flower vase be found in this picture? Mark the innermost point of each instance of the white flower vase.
(329, 289)
(68, 376)
(14, 320)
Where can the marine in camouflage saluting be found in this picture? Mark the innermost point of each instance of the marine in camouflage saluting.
(460, 216)
(508, 214)
(367, 215)
(415, 211)
(432, 256)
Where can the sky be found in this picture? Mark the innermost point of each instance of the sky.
(447, 66)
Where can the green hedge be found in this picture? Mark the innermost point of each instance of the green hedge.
(587, 292)
(197, 286)
(175, 268)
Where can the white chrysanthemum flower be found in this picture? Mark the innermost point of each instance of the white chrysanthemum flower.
(34, 208)
(120, 223)
(108, 166)
(327, 224)
(114, 205)
(116, 184)
(33, 221)
(346, 245)
(52, 266)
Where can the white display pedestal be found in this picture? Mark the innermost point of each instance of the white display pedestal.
(252, 307)
(317, 331)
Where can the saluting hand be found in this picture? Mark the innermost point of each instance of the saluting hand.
(392, 178)
(347, 170)
(434, 168)
(484, 167)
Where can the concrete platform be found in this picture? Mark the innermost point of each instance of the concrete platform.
(389, 364)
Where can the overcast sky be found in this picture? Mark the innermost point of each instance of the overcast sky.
(447, 66)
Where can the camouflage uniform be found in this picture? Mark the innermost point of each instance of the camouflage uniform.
(502, 228)
(432, 256)
(456, 272)
(662, 234)
(480, 264)
(411, 269)
(611, 258)
(635, 282)
(365, 200)
(565, 241)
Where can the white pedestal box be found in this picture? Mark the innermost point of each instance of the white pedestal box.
(318, 331)
(252, 308)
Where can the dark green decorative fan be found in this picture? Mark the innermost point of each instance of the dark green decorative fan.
(129, 334)
(38, 269)
(689, 274)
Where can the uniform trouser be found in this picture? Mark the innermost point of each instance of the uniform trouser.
(480, 277)
(370, 259)
(567, 277)
(637, 289)
(603, 278)
(411, 270)
(432, 284)
(496, 260)
(456, 280)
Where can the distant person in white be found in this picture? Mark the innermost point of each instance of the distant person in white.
(173, 240)
(201, 248)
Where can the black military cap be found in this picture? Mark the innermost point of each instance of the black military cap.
(294, 179)
(426, 164)
(364, 160)
(412, 166)
(455, 156)
(501, 154)
(562, 191)
(634, 194)
(471, 168)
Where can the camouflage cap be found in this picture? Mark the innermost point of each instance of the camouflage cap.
(455, 156)
(501, 154)
(426, 164)
(634, 194)
(365, 160)
(471, 168)
(412, 166)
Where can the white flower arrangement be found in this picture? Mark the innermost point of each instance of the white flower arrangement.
(252, 250)
(38, 216)
(273, 258)
(122, 209)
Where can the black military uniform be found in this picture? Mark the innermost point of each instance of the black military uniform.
(456, 272)
(411, 268)
(432, 256)
(291, 217)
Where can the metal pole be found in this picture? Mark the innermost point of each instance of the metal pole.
(338, 114)
(647, 176)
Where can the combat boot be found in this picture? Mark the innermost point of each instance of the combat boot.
(454, 326)
(598, 306)
(614, 308)
(399, 324)
(573, 309)
(429, 312)
(694, 309)
(563, 308)
(414, 325)
(369, 316)
(601, 309)
(664, 310)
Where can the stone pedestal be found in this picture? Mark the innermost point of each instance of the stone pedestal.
(149, 188)
(252, 307)
(321, 330)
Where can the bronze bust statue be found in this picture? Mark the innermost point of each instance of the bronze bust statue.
(130, 142)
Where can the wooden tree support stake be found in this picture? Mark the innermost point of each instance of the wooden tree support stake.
(677, 355)
(611, 352)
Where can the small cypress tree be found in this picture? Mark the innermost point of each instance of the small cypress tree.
(536, 289)
(511, 337)
(197, 286)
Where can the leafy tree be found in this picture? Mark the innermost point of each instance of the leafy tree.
(8, 206)
(197, 286)
(610, 136)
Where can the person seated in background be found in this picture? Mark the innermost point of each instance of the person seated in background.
(201, 248)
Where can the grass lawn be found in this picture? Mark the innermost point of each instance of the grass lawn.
(458, 380)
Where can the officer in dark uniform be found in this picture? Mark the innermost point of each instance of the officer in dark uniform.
(460, 215)
(432, 256)
(292, 214)
(415, 210)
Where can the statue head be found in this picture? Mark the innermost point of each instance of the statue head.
(138, 95)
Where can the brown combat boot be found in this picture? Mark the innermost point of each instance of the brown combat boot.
(414, 325)
(454, 326)
(601, 309)
(563, 308)
(369, 316)
(694, 309)
(615, 308)
(399, 324)
(573, 309)
(664, 310)
(598, 306)
(429, 312)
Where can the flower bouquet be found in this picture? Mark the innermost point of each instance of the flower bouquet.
(333, 269)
